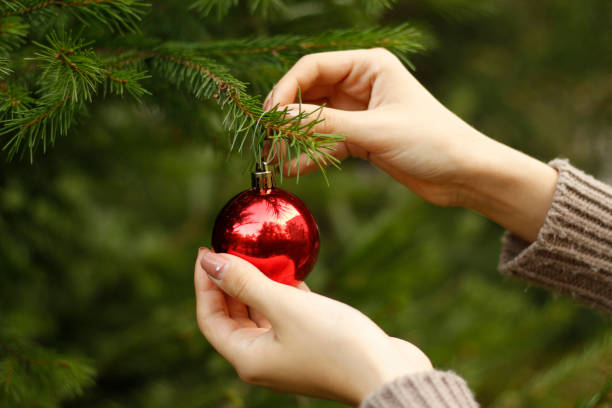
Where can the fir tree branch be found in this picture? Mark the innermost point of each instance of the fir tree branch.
(121, 81)
(13, 99)
(401, 40)
(120, 15)
(244, 117)
(71, 74)
(40, 125)
(129, 58)
(69, 67)
(46, 113)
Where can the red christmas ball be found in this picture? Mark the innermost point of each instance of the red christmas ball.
(271, 228)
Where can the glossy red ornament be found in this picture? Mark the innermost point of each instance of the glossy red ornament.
(271, 228)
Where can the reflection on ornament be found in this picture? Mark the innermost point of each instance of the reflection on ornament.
(271, 228)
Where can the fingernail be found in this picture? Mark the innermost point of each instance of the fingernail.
(214, 264)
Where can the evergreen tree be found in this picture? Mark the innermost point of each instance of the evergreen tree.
(142, 103)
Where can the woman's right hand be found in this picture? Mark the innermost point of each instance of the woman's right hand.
(390, 119)
(387, 116)
(294, 340)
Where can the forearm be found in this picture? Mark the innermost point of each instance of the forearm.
(508, 187)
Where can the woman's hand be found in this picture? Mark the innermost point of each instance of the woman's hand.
(385, 114)
(294, 340)
(389, 118)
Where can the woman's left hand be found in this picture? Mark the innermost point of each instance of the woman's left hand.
(290, 339)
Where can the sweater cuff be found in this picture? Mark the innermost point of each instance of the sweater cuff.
(428, 389)
(573, 251)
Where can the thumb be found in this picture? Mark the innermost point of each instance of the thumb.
(243, 281)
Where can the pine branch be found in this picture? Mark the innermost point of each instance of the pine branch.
(401, 40)
(71, 74)
(121, 81)
(274, 55)
(127, 59)
(29, 373)
(118, 15)
(124, 71)
(14, 99)
(69, 67)
(40, 125)
(248, 124)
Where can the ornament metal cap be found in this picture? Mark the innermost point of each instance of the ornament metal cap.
(262, 178)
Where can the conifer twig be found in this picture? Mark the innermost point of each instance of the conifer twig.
(71, 74)
(120, 15)
(402, 40)
(244, 116)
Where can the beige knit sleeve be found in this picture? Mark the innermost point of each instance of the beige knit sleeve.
(573, 251)
(429, 389)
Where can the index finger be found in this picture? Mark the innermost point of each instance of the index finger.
(325, 68)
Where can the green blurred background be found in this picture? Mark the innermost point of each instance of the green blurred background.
(99, 236)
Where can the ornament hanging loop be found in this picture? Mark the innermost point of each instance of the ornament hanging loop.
(262, 178)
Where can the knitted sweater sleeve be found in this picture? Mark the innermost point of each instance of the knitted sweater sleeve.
(573, 251)
(572, 255)
(428, 389)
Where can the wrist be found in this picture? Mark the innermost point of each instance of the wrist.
(509, 187)
(400, 358)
